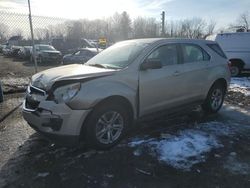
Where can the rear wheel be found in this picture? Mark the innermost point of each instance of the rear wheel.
(106, 126)
(214, 99)
(235, 70)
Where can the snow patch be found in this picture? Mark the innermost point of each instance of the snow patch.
(23, 81)
(11, 84)
(218, 128)
(180, 151)
(236, 167)
(187, 147)
(240, 85)
(42, 174)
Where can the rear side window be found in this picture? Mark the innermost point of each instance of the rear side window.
(217, 49)
(193, 53)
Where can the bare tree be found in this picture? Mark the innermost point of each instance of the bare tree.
(4, 31)
(125, 25)
(145, 27)
(17, 32)
(40, 33)
(209, 29)
(242, 23)
(244, 20)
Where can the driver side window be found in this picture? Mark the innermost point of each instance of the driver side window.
(166, 54)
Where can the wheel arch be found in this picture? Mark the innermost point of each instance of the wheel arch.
(237, 62)
(121, 100)
(221, 81)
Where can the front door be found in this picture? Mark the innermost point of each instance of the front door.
(160, 88)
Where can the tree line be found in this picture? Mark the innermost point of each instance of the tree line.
(120, 26)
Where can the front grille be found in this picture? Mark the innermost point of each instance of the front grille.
(33, 97)
(53, 54)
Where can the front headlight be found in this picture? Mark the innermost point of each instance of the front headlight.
(66, 93)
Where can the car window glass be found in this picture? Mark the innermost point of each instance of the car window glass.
(192, 53)
(217, 49)
(166, 54)
(77, 53)
(206, 57)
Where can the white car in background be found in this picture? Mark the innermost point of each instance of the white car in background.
(237, 49)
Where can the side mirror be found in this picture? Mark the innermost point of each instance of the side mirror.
(151, 64)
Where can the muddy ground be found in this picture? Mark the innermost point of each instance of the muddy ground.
(188, 150)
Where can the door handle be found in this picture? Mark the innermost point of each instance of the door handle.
(176, 73)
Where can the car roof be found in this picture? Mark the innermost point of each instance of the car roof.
(42, 45)
(179, 40)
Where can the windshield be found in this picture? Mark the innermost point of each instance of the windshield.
(117, 56)
(45, 47)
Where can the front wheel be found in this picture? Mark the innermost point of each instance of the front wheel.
(106, 126)
(214, 99)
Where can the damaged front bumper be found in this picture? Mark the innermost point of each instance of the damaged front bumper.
(56, 121)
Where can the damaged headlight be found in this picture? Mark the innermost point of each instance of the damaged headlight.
(66, 93)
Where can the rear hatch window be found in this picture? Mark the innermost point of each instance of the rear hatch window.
(217, 49)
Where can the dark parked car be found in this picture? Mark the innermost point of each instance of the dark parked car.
(25, 52)
(80, 56)
(2, 46)
(14, 50)
(46, 53)
(7, 50)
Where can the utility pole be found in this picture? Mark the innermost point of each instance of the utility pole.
(1, 93)
(163, 23)
(32, 38)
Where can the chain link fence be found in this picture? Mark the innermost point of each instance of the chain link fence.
(15, 28)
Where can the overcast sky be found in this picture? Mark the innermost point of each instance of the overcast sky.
(222, 11)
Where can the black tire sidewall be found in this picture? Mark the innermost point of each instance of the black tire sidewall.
(236, 67)
(90, 129)
(207, 104)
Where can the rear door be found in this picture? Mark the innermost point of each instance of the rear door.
(195, 70)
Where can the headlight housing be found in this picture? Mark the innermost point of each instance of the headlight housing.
(65, 93)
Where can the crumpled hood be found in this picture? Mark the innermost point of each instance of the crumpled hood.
(45, 79)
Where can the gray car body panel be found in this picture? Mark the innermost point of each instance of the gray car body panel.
(147, 91)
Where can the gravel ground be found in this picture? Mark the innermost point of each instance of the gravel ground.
(11, 102)
(15, 74)
(28, 160)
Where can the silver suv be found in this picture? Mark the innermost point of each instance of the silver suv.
(98, 101)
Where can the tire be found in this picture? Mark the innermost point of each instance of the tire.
(100, 130)
(215, 98)
(235, 70)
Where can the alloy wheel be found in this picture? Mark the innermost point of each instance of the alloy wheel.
(109, 127)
